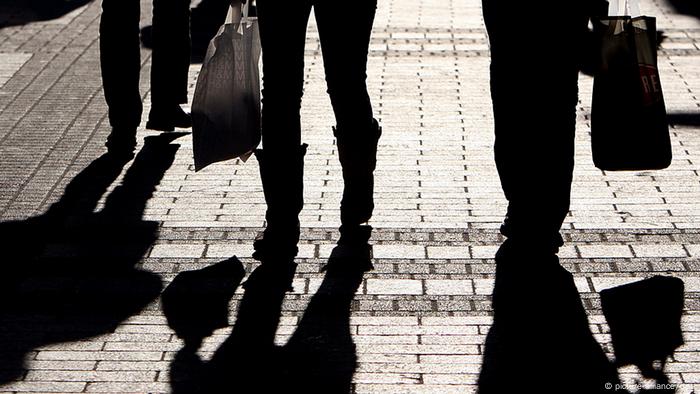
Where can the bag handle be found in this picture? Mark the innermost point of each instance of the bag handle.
(624, 8)
(238, 14)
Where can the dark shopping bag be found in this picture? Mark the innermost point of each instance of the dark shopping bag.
(226, 104)
(629, 130)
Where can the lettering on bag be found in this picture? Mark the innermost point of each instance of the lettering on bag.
(651, 88)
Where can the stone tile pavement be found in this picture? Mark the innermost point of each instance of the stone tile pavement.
(419, 320)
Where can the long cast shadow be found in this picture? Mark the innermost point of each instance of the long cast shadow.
(645, 326)
(540, 340)
(684, 119)
(319, 357)
(21, 12)
(71, 274)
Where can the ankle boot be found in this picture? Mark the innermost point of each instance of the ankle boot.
(282, 179)
(357, 151)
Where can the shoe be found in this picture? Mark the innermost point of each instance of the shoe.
(168, 119)
(121, 143)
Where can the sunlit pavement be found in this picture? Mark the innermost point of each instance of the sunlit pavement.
(419, 319)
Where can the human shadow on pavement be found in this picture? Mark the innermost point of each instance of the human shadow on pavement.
(248, 358)
(540, 340)
(21, 12)
(195, 304)
(645, 326)
(319, 357)
(71, 273)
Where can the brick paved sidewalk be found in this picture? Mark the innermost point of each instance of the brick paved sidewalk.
(419, 320)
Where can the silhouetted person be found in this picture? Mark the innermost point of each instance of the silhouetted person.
(534, 93)
(344, 31)
(120, 62)
(170, 65)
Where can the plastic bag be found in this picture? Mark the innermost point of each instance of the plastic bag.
(226, 104)
(629, 130)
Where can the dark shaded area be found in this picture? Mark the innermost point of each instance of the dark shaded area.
(540, 340)
(196, 302)
(645, 324)
(319, 357)
(687, 7)
(248, 358)
(71, 274)
(684, 119)
(205, 20)
(20, 12)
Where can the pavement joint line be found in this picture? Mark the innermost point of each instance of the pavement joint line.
(437, 334)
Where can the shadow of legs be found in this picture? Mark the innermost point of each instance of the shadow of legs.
(195, 304)
(321, 356)
(71, 273)
(540, 340)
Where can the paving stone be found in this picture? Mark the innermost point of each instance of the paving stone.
(394, 286)
(420, 318)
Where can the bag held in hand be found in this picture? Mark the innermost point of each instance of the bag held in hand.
(628, 117)
(226, 104)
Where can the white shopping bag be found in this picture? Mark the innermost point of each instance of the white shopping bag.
(226, 104)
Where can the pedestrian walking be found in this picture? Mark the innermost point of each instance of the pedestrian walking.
(170, 65)
(536, 52)
(120, 64)
(540, 335)
(344, 31)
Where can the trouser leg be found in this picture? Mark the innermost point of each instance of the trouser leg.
(120, 62)
(345, 35)
(171, 52)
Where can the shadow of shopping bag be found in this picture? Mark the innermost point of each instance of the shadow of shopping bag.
(226, 104)
(645, 321)
(629, 130)
(197, 302)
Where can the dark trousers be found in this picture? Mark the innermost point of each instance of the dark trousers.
(534, 93)
(120, 61)
(120, 57)
(171, 52)
(344, 30)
